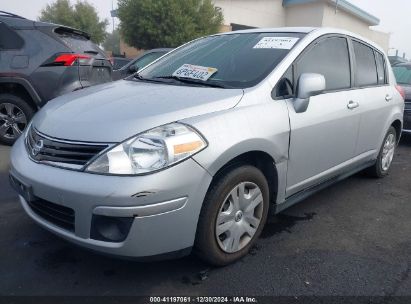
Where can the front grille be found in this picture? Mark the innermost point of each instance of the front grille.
(59, 152)
(58, 215)
(408, 106)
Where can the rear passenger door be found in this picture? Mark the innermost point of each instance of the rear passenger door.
(373, 96)
(325, 136)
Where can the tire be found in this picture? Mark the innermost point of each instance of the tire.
(15, 114)
(381, 168)
(219, 203)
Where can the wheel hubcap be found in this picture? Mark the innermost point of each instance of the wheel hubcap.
(239, 217)
(13, 121)
(388, 152)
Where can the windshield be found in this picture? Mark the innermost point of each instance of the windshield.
(235, 60)
(402, 74)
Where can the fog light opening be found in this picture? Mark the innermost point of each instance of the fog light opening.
(110, 229)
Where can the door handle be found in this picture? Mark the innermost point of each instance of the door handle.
(352, 105)
(388, 97)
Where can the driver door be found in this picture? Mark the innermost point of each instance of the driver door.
(324, 137)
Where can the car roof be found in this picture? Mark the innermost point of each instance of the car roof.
(274, 30)
(15, 21)
(18, 22)
(313, 32)
(8, 14)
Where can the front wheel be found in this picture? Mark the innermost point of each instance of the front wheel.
(233, 215)
(386, 155)
(15, 114)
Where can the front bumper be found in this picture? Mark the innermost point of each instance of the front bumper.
(164, 206)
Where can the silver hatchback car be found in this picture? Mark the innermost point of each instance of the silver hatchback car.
(197, 149)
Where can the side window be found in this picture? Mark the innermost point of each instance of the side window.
(382, 78)
(284, 88)
(9, 40)
(329, 57)
(365, 69)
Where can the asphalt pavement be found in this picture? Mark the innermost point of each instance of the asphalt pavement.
(353, 238)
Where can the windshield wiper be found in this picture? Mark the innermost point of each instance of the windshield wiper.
(139, 77)
(193, 81)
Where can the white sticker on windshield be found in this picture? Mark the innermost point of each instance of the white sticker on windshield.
(194, 72)
(284, 43)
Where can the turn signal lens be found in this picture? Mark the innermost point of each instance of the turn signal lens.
(70, 59)
(188, 147)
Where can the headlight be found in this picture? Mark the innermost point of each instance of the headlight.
(153, 150)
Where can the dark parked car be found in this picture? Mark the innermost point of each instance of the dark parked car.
(394, 60)
(40, 61)
(119, 62)
(403, 75)
(139, 62)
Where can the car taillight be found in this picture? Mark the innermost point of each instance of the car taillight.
(400, 90)
(70, 59)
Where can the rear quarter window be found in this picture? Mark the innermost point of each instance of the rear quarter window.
(9, 39)
(78, 43)
(365, 67)
(382, 77)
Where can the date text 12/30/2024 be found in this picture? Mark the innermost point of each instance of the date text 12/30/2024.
(200, 299)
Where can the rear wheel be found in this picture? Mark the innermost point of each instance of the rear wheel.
(386, 155)
(15, 114)
(233, 215)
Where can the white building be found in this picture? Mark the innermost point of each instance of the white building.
(241, 14)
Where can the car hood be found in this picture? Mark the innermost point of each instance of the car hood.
(118, 110)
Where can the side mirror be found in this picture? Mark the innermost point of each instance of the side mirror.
(133, 69)
(309, 84)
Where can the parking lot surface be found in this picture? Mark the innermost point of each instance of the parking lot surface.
(353, 238)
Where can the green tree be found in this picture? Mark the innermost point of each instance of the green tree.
(166, 23)
(112, 42)
(82, 16)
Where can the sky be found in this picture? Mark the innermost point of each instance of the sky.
(394, 16)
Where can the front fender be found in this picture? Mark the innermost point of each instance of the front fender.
(261, 127)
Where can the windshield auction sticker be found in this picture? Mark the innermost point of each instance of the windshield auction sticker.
(284, 43)
(194, 72)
